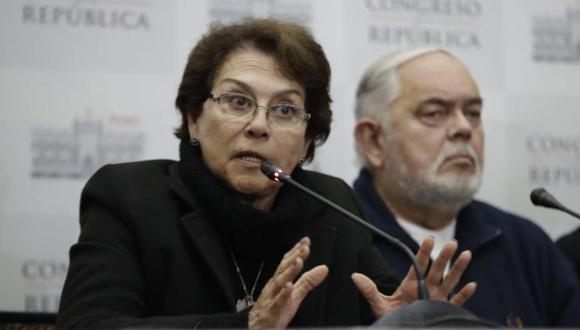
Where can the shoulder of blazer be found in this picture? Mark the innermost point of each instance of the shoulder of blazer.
(147, 169)
(323, 182)
(333, 188)
(117, 184)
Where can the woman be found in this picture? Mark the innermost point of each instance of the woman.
(209, 241)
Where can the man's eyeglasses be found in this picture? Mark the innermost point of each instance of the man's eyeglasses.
(242, 107)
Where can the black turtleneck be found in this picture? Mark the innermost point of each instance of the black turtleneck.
(253, 236)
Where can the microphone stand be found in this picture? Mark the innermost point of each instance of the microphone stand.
(422, 292)
(422, 313)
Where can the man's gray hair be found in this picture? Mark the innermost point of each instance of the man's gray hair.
(380, 85)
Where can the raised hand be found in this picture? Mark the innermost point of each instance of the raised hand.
(439, 286)
(279, 300)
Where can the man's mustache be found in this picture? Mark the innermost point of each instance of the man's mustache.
(456, 150)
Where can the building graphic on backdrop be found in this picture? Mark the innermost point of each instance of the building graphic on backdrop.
(79, 151)
(226, 11)
(557, 38)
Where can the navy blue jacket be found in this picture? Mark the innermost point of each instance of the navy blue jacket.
(570, 245)
(523, 279)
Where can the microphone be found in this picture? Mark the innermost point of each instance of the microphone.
(421, 313)
(541, 197)
(275, 173)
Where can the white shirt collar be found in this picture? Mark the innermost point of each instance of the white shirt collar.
(441, 236)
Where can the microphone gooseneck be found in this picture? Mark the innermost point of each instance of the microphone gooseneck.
(541, 197)
(275, 173)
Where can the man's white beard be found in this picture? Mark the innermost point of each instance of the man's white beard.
(429, 189)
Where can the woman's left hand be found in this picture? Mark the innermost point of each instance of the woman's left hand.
(281, 297)
(439, 286)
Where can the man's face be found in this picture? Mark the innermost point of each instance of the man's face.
(434, 137)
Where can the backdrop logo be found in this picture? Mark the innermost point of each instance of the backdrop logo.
(41, 303)
(554, 160)
(90, 143)
(44, 270)
(43, 281)
(405, 23)
(447, 9)
(557, 39)
(232, 10)
(119, 15)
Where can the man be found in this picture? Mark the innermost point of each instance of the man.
(420, 135)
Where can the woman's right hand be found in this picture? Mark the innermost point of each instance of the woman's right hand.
(281, 297)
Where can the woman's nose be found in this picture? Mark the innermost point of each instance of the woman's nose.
(258, 126)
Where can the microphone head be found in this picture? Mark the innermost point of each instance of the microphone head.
(541, 197)
(536, 195)
(273, 172)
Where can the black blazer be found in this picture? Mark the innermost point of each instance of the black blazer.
(148, 256)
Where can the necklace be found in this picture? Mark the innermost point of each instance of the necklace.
(248, 299)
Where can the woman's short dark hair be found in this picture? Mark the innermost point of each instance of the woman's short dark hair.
(293, 48)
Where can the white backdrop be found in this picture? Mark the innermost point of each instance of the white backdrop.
(88, 82)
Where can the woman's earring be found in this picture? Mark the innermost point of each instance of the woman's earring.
(301, 161)
(194, 142)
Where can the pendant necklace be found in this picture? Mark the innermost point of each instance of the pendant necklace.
(248, 299)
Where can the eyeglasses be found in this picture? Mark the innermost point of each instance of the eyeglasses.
(239, 106)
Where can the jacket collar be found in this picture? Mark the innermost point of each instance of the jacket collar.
(376, 210)
(204, 237)
(472, 230)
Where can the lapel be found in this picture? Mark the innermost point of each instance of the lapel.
(205, 239)
(321, 233)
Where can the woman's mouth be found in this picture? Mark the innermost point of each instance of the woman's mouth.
(250, 159)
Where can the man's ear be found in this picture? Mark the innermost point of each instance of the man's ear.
(369, 137)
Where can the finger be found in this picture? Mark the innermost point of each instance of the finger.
(281, 299)
(369, 290)
(423, 256)
(281, 280)
(438, 266)
(295, 251)
(424, 253)
(300, 249)
(455, 273)
(265, 314)
(308, 281)
(288, 300)
(290, 266)
(465, 293)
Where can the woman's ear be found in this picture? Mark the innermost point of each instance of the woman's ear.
(370, 140)
(307, 143)
(191, 127)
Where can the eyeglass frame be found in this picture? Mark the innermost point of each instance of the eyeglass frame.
(216, 98)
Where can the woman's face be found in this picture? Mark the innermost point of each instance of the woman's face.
(233, 149)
